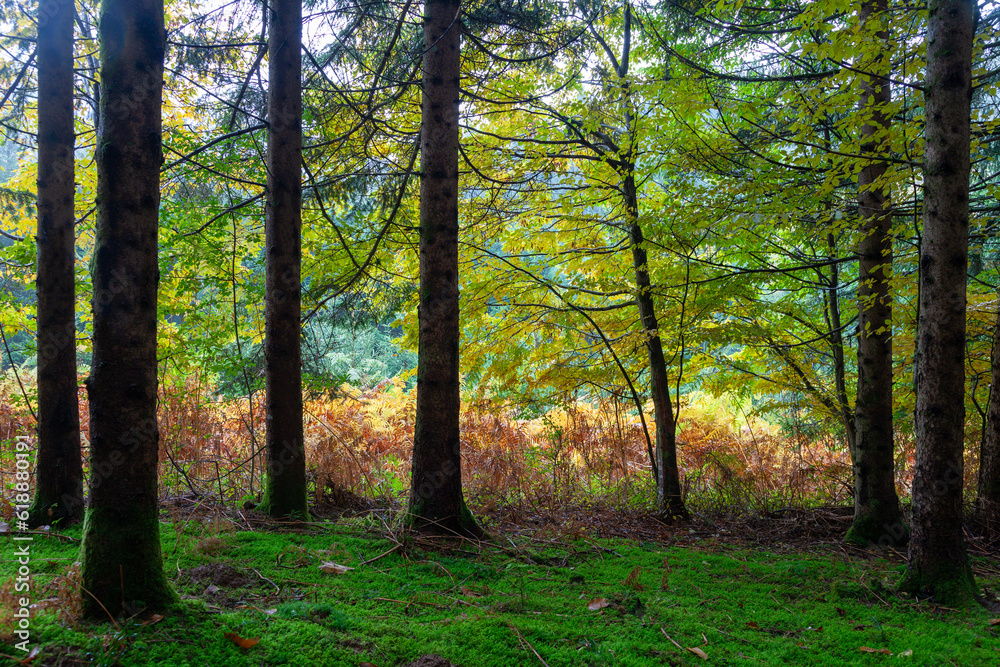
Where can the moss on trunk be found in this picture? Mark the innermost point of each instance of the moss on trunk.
(950, 584)
(122, 563)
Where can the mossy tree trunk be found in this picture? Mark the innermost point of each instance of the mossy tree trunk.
(59, 471)
(285, 484)
(877, 518)
(988, 489)
(436, 503)
(938, 564)
(122, 565)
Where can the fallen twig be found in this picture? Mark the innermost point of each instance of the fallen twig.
(527, 643)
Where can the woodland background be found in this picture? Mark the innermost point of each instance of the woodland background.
(745, 126)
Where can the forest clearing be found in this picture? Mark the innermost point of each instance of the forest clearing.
(489, 332)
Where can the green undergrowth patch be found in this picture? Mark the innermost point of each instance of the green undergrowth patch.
(265, 597)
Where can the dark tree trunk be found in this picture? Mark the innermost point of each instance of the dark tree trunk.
(938, 564)
(59, 476)
(669, 503)
(436, 503)
(988, 490)
(285, 486)
(877, 517)
(122, 565)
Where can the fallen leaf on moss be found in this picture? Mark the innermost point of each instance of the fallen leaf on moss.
(698, 652)
(867, 649)
(27, 660)
(597, 603)
(333, 568)
(242, 642)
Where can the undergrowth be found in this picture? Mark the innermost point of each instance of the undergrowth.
(358, 448)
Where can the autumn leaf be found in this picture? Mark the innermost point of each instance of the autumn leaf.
(28, 659)
(867, 649)
(333, 568)
(995, 621)
(242, 642)
(153, 620)
(753, 625)
(698, 652)
(597, 603)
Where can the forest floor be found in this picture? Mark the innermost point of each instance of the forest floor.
(584, 587)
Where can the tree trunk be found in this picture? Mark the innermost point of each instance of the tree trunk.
(938, 564)
(59, 476)
(988, 490)
(669, 503)
(122, 565)
(285, 486)
(877, 517)
(436, 503)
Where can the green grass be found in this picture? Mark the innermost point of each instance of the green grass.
(499, 604)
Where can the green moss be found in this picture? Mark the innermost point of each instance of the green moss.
(847, 589)
(484, 606)
(950, 584)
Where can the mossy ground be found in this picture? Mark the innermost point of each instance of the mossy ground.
(501, 603)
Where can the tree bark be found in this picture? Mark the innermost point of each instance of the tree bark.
(59, 473)
(285, 486)
(122, 565)
(988, 488)
(669, 502)
(436, 503)
(877, 517)
(938, 564)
